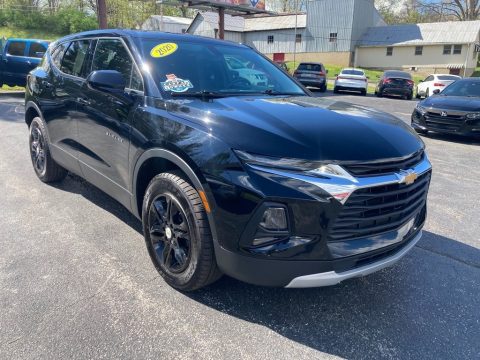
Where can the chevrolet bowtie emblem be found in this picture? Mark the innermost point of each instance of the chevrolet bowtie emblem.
(408, 177)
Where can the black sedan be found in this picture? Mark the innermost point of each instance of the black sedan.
(455, 110)
(396, 83)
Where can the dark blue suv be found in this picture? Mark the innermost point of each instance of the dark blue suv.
(18, 58)
(229, 174)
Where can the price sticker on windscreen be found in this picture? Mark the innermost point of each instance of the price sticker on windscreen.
(164, 49)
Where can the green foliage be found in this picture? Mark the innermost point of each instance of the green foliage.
(63, 21)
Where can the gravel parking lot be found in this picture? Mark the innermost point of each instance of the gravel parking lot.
(76, 281)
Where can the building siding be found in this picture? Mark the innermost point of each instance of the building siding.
(404, 57)
(283, 41)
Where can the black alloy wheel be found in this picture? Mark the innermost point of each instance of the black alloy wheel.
(45, 167)
(170, 233)
(177, 233)
(37, 149)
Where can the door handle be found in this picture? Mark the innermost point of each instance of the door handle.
(83, 101)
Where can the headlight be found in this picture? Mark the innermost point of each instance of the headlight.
(422, 110)
(473, 116)
(330, 177)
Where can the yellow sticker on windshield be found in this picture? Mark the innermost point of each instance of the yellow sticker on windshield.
(164, 49)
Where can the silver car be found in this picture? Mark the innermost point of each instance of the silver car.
(352, 80)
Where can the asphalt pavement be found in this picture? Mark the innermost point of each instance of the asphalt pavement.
(76, 281)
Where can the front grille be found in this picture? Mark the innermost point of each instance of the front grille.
(380, 209)
(384, 167)
(449, 122)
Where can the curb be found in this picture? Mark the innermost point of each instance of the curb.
(17, 94)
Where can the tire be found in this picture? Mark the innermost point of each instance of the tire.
(409, 97)
(364, 92)
(323, 88)
(427, 93)
(179, 243)
(45, 167)
(379, 94)
(335, 90)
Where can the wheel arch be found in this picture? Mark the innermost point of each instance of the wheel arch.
(31, 111)
(149, 164)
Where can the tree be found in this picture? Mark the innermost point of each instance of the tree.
(462, 10)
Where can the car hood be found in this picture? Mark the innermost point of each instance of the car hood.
(301, 127)
(443, 102)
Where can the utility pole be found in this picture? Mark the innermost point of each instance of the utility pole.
(221, 23)
(295, 33)
(102, 14)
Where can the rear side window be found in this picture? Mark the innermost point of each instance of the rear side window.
(111, 54)
(72, 62)
(16, 48)
(310, 67)
(36, 50)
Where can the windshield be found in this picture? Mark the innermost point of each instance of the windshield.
(463, 88)
(193, 67)
(353, 72)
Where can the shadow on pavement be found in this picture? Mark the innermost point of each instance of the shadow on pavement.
(453, 138)
(77, 185)
(408, 311)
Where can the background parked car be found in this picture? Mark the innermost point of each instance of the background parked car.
(352, 80)
(393, 82)
(253, 76)
(455, 110)
(18, 58)
(434, 82)
(312, 74)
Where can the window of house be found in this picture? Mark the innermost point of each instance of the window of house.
(418, 50)
(72, 62)
(16, 48)
(270, 39)
(457, 49)
(389, 51)
(298, 38)
(447, 49)
(333, 37)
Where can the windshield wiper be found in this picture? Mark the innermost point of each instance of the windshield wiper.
(274, 93)
(204, 94)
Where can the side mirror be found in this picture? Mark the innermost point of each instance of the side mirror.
(336, 75)
(110, 81)
(368, 77)
(419, 81)
(436, 91)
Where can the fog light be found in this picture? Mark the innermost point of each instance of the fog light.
(274, 219)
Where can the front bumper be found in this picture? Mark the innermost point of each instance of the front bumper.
(460, 126)
(314, 245)
(298, 274)
(332, 277)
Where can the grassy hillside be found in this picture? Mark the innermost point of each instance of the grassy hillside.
(9, 32)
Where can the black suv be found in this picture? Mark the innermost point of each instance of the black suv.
(255, 179)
